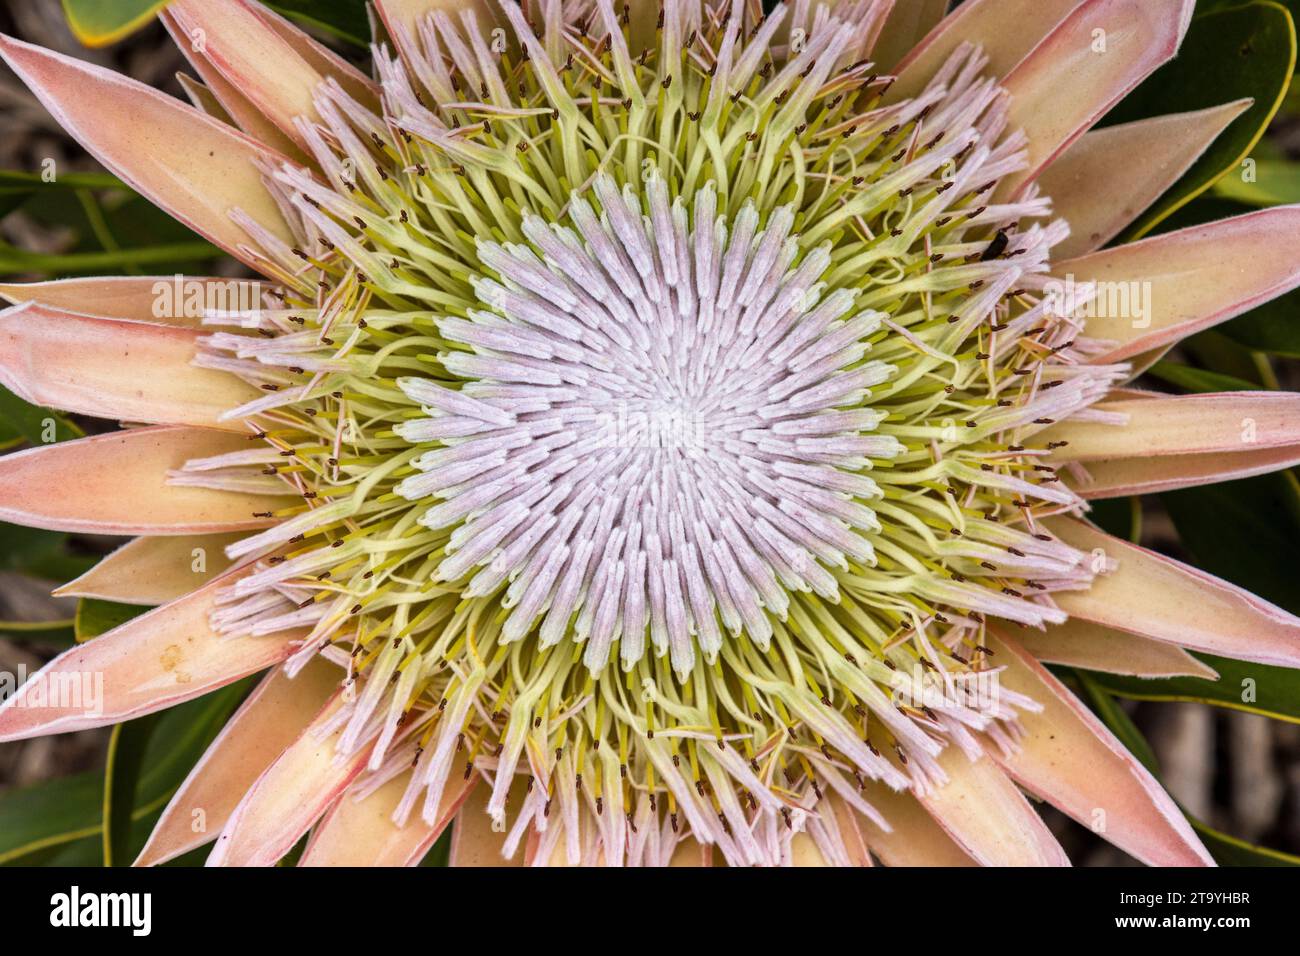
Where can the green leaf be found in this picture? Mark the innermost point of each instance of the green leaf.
(1228, 54)
(39, 553)
(50, 817)
(40, 426)
(1242, 685)
(101, 22)
(1275, 182)
(1229, 851)
(113, 229)
(57, 633)
(1198, 379)
(96, 617)
(1217, 352)
(1245, 531)
(345, 19)
(126, 754)
(19, 260)
(20, 179)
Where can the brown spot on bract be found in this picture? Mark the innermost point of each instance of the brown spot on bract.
(171, 657)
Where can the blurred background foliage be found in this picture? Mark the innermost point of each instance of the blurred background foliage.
(91, 798)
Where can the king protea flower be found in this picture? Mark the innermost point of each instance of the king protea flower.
(663, 433)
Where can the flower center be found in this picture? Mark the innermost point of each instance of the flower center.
(660, 426)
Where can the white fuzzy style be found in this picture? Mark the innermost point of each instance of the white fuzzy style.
(662, 417)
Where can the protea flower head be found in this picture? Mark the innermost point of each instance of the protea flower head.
(663, 432)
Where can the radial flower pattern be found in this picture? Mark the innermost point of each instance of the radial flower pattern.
(654, 423)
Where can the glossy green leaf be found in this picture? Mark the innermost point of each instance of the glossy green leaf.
(126, 754)
(37, 425)
(1246, 531)
(1242, 685)
(1229, 851)
(1198, 379)
(95, 617)
(345, 19)
(1228, 54)
(101, 22)
(40, 553)
(1215, 351)
(58, 633)
(1266, 182)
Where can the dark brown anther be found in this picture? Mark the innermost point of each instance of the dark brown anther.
(356, 609)
(263, 514)
(270, 387)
